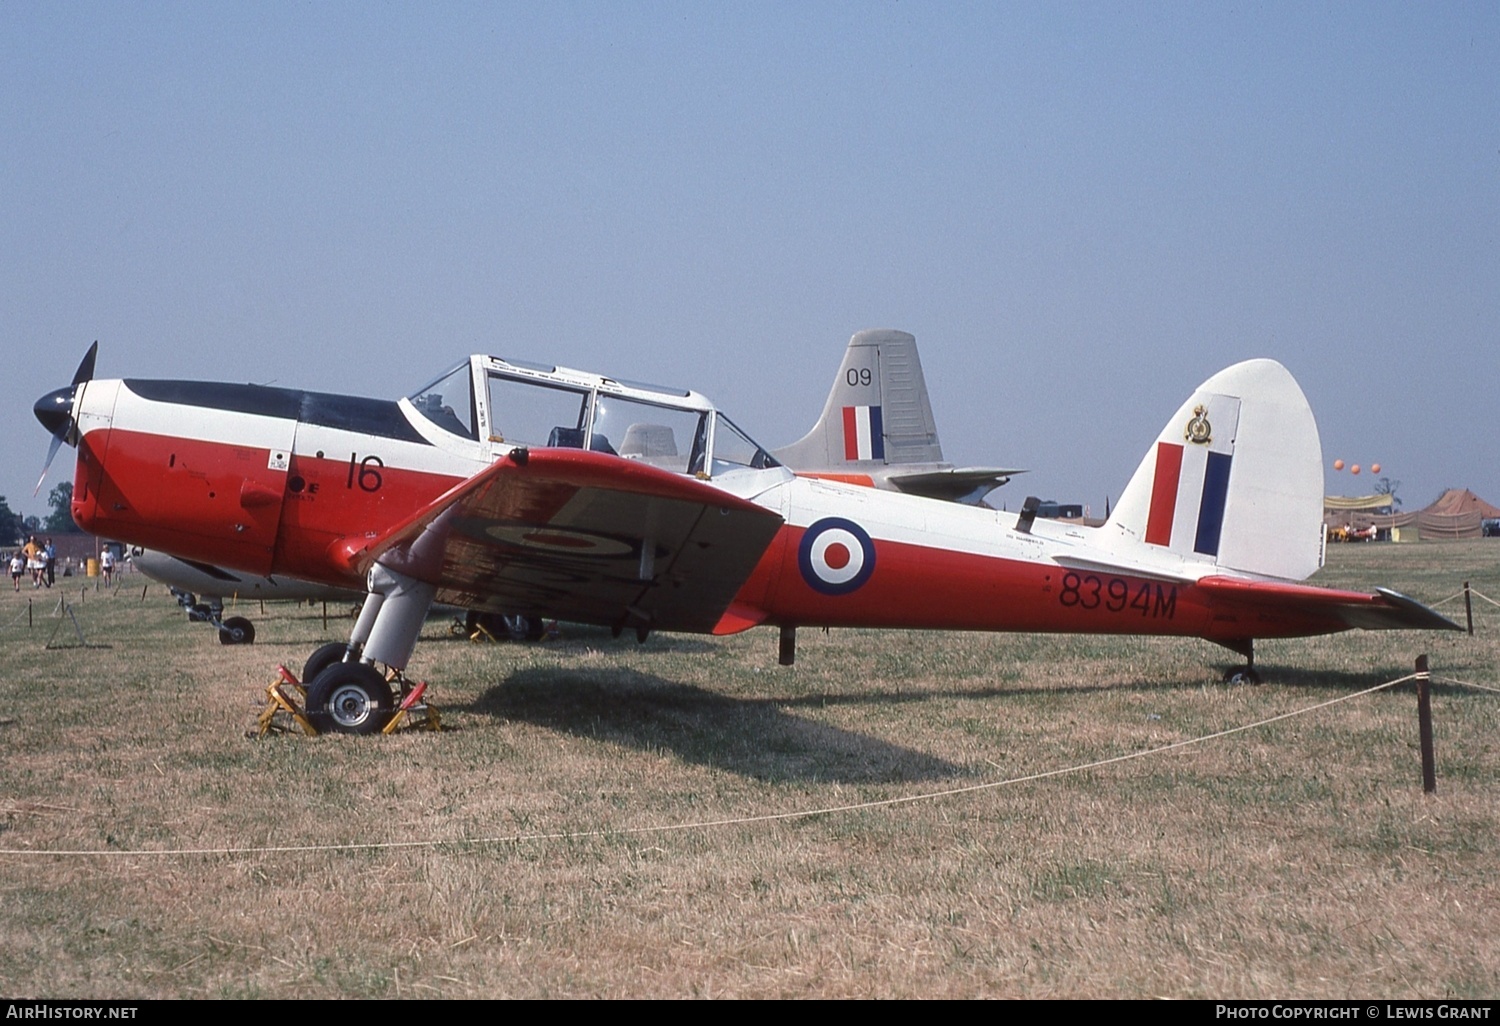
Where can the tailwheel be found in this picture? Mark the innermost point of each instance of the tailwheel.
(1242, 674)
(349, 698)
(236, 631)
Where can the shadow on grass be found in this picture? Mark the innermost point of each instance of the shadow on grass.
(1344, 680)
(1052, 691)
(752, 737)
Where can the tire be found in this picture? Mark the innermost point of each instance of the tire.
(237, 631)
(322, 658)
(349, 698)
(1241, 675)
(523, 628)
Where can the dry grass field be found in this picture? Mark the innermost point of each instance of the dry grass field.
(600, 819)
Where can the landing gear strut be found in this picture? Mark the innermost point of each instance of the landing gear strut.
(345, 693)
(1246, 674)
(235, 630)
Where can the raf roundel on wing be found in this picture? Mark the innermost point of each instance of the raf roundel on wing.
(836, 556)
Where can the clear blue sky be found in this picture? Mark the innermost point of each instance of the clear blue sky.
(1081, 211)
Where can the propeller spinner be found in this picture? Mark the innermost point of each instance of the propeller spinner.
(55, 411)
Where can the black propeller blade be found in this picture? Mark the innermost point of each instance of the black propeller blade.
(55, 411)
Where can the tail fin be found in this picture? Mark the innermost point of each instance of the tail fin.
(1234, 481)
(877, 412)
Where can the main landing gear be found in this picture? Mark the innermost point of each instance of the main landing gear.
(482, 626)
(347, 698)
(346, 694)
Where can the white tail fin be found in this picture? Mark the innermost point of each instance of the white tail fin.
(1234, 481)
(877, 413)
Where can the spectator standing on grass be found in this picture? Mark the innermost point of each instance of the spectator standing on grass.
(34, 561)
(17, 565)
(107, 564)
(49, 555)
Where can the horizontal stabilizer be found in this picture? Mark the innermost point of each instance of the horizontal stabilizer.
(1414, 614)
(1122, 567)
(959, 484)
(1385, 610)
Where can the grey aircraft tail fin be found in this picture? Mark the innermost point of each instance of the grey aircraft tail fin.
(877, 413)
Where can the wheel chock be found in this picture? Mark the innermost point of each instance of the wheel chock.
(285, 697)
(286, 700)
(482, 634)
(413, 713)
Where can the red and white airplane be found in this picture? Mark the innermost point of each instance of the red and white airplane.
(519, 487)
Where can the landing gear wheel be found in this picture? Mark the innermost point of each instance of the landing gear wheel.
(525, 628)
(322, 658)
(1242, 675)
(236, 631)
(349, 698)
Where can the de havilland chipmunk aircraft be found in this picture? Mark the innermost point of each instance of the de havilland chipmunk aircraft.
(515, 486)
(200, 589)
(876, 429)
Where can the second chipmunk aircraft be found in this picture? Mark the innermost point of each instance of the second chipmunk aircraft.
(523, 488)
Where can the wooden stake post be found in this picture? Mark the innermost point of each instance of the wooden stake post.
(1424, 726)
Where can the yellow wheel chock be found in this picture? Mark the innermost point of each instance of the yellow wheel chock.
(286, 699)
(413, 713)
(482, 633)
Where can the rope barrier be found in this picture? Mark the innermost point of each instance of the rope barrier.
(16, 619)
(707, 824)
(1481, 595)
(1467, 684)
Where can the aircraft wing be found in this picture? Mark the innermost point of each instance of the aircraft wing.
(580, 536)
(1271, 600)
(953, 484)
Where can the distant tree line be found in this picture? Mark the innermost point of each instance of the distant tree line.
(14, 527)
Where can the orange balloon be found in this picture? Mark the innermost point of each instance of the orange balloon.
(1374, 468)
(1338, 464)
(1354, 469)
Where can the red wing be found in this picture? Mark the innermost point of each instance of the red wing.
(582, 536)
(1384, 610)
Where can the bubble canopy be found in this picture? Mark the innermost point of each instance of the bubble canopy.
(506, 403)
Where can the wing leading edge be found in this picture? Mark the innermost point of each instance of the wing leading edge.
(581, 536)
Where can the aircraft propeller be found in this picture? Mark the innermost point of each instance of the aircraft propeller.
(55, 411)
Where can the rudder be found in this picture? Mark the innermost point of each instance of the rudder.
(1234, 480)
